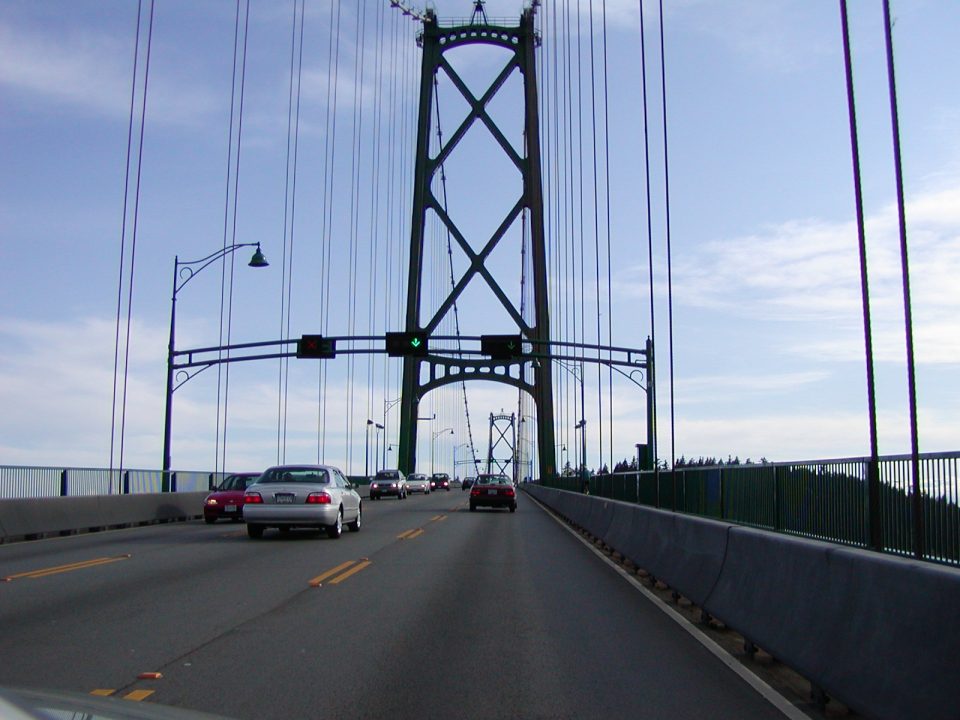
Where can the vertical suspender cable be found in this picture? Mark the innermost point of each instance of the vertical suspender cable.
(651, 380)
(666, 184)
(289, 214)
(230, 237)
(917, 499)
(596, 238)
(875, 539)
(333, 60)
(133, 243)
(355, 181)
(606, 190)
(123, 240)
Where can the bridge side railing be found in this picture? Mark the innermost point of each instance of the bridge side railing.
(820, 499)
(21, 481)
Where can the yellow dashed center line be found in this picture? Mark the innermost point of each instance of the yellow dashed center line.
(102, 692)
(406, 533)
(330, 573)
(415, 534)
(66, 568)
(138, 695)
(352, 571)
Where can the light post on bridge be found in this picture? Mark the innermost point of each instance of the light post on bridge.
(433, 441)
(376, 444)
(183, 272)
(387, 405)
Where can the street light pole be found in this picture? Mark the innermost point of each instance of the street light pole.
(433, 442)
(376, 444)
(366, 458)
(183, 272)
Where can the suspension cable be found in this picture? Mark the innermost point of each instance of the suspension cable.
(917, 514)
(123, 241)
(230, 237)
(133, 244)
(651, 384)
(289, 214)
(666, 182)
(333, 60)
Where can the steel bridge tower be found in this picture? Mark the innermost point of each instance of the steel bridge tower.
(421, 374)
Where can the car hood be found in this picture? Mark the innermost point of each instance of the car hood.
(24, 704)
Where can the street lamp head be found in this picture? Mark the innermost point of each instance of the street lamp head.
(258, 259)
(369, 422)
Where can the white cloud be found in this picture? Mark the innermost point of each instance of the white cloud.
(91, 72)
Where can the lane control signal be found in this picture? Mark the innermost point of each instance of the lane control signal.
(400, 344)
(316, 346)
(501, 347)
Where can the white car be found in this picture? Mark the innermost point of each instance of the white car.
(302, 496)
(418, 482)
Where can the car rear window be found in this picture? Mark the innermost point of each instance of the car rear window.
(295, 475)
(388, 475)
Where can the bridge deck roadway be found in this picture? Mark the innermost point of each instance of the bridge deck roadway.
(480, 615)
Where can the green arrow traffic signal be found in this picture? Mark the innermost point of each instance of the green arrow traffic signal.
(400, 344)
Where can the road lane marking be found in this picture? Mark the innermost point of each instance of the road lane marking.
(415, 534)
(438, 518)
(102, 692)
(66, 568)
(138, 695)
(406, 533)
(330, 573)
(352, 571)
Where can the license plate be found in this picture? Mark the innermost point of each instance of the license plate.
(229, 508)
(284, 499)
(491, 491)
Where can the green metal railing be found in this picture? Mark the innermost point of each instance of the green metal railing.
(822, 499)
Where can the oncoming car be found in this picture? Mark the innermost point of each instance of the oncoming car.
(302, 496)
(495, 491)
(388, 482)
(226, 500)
(417, 482)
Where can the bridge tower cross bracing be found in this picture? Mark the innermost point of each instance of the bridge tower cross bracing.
(534, 378)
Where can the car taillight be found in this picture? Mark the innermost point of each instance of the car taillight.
(319, 498)
(374, 486)
(393, 485)
(211, 501)
(508, 492)
(252, 499)
(475, 491)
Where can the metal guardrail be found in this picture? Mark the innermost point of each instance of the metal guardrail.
(19, 481)
(820, 499)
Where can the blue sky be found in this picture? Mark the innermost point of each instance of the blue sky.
(768, 334)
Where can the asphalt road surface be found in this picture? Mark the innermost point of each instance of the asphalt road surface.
(430, 611)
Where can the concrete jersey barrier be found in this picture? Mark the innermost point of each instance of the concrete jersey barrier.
(37, 517)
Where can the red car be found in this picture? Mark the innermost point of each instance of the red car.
(495, 491)
(440, 481)
(226, 500)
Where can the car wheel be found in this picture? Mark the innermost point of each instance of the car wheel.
(473, 508)
(513, 508)
(355, 525)
(333, 531)
(255, 531)
(209, 520)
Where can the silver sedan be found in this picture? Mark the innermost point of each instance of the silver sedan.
(311, 496)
